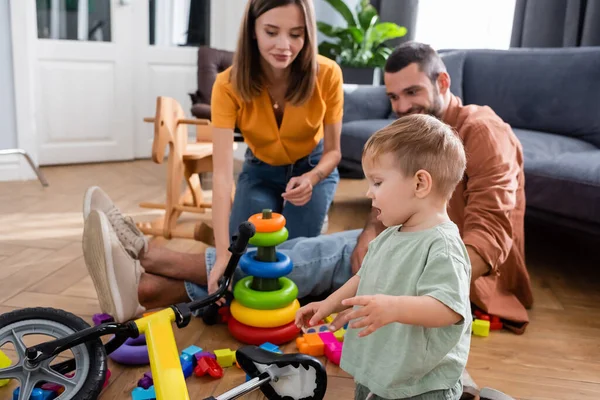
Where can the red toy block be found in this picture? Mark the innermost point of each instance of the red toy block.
(208, 365)
(496, 324)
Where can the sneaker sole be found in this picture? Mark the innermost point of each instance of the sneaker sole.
(98, 259)
(87, 201)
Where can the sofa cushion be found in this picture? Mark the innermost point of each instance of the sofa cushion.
(562, 175)
(363, 102)
(454, 61)
(356, 133)
(547, 90)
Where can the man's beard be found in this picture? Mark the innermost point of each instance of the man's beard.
(435, 110)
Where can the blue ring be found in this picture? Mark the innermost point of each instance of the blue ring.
(282, 267)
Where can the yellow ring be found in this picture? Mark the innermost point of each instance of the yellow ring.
(264, 318)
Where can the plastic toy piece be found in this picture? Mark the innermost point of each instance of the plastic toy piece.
(146, 380)
(54, 387)
(321, 326)
(108, 374)
(256, 336)
(208, 365)
(262, 300)
(264, 318)
(143, 394)
(132, 352)
(495, 324)
(187, 365)
(100, 319)
(333, 348)
(269, 239)
(339, 334)
(481, 327)
(311, 344)
(264, 269)
(36, 394)
(205, 354)
(271, 347)
(225, 357)
(192, 351)
(4, 363)
(266, 225)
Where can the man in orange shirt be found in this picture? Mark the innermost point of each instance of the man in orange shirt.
(488, 206)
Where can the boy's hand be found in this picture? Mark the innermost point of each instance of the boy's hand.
(312, 313)
(375, 311)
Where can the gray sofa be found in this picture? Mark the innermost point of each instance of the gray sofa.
(550, 97)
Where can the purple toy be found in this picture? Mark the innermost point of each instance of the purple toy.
(146, 381)
(132, 352)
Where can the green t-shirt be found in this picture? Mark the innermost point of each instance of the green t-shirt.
(400, 360)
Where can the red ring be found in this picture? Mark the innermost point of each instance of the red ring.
(257, 336)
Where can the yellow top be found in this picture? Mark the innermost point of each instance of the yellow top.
(301, 127)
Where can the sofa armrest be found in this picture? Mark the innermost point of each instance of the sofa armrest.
(365, 102)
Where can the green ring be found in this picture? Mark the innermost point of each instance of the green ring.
(270, 239)
(265, 300)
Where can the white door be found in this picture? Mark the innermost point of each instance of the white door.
(83, 80)
(164, 62)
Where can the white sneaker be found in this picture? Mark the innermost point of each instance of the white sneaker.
(114, 272)
(132, 239)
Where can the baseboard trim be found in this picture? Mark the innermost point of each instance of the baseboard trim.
(12, 168)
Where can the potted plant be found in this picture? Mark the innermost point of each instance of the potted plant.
(359, 48)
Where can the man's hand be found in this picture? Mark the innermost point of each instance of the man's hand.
(359, 252)
(376, 311)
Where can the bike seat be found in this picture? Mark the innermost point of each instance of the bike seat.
(298, 376)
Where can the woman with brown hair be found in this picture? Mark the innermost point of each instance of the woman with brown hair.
(287, 101)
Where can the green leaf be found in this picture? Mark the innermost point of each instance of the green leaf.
(385, 31)
(366, 16)
(343, 10)
(330, 50)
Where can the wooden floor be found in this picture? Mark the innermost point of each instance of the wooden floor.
(41, 264)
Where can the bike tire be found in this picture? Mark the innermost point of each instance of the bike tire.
(94, 380)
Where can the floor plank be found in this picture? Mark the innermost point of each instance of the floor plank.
(41, 264)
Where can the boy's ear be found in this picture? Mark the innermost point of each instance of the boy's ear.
(423, 183)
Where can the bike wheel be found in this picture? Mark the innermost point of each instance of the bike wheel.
(90, 358)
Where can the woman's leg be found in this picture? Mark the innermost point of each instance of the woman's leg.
(259, 186)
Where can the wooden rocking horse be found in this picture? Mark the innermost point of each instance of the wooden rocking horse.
(185, 161)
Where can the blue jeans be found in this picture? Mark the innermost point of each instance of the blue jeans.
(321, 264)
(261, 185)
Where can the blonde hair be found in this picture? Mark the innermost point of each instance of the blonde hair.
(418, 142)
(246, 74)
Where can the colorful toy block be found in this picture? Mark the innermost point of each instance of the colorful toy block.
(481, 327)
(143, 394)
(187, 365)
(210, 366)
(146, 380)
(339, 334)
(4, 363)
(333, 348)
(53, 387)
(225, 357)
(192, 351)
(495, 324)
(271, 347)
(310, 344)
(37, 394)
(205, 354)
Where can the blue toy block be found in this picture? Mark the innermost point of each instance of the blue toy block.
(192, 350)
(270, 347)
(188, 367)
(186, 357)
(143, 394)
(36, 394)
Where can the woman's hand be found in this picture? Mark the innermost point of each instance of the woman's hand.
(298, 190)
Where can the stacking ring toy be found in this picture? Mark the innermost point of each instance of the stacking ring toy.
(269, 239)
(265, 300)
(264, 318)
(257, 336)
(273, 224)
(261, 269)
(132, 352)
